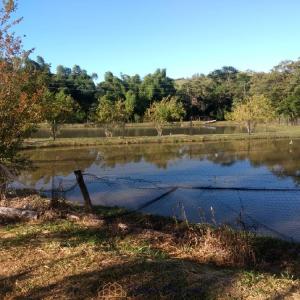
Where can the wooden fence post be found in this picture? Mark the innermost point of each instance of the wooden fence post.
(87, 200)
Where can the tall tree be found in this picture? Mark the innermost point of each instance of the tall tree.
(21, 88)
(57, 109)
(195, 94)
(290, 106)
(77, 83)
(156, 86)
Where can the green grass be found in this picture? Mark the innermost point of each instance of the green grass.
(274, 131)
(130, 125)
(291, 133)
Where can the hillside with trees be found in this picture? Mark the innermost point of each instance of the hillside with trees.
(209, 96)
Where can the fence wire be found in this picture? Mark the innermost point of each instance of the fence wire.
(240, 201)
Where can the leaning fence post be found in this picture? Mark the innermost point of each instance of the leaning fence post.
(84, 190)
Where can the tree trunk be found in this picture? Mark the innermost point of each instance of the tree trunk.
(248, 126)
(159, 129)
(53, 129)
(123, 130)
(107, 131)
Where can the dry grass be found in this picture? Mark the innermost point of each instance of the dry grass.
(72, 255)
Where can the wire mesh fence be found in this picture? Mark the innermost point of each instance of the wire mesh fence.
(240, 201)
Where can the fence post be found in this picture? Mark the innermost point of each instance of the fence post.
(84, 190)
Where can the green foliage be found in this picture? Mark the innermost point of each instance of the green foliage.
(167, 110)
(58, 108)
(156, 86)
(195, 94)
(130, 103)
(79, 85)
(253, 110)
(111, 114)
(21, 88)
(203, 96)
(213, 95)
(290, 106)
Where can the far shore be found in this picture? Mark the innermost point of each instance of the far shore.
(275, 132)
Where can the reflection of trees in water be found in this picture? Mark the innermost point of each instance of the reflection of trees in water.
(161, 155)
(281, 158)
(278, 156)
(48, 163)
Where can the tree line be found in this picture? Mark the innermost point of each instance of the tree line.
(202, 96)
(31, 93)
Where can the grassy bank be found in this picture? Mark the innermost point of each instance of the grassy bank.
(186, 124)
(68, 254)
(270, 131)
(135, 125)
(65, 142)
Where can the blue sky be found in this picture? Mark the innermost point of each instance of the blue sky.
(184, 36)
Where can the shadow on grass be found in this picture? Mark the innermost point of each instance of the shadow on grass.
(146, 272)
(8, 283)
(144, 279)
(66, 233)
(269, 255)
(71, 234)
(172, 279)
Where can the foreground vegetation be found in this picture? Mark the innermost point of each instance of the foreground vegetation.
(68, 254)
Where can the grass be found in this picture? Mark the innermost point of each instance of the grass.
(68, 254)
(173, 124)
(130, 125)
(275, 132)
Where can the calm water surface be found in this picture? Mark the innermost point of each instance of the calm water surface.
(131, 176)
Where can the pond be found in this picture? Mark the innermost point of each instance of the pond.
(248, 184)
(140, 131)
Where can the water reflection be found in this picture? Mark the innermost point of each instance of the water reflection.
(246, 164)
(279, 157)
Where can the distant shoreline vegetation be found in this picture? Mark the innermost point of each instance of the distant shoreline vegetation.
(73, 96)
(273, 132)
(203, 96)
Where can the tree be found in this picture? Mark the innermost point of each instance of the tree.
(58, 108)
(290, 107)
(165, 111)
(222, 91)
(21, 88)
(156, 86)
(79, 84)
(112, 87)
(213, 95)
(195, 94)
(111, 114)
(130, 104)
(253, 110)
